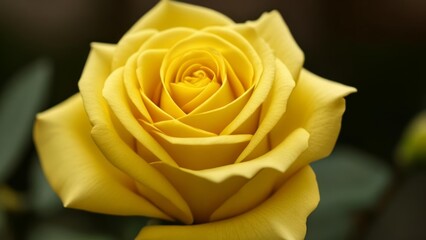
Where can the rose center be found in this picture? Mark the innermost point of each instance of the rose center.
(193, 77)
(200, 77)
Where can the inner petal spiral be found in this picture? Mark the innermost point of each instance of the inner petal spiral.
(194, 77)
(198, 76)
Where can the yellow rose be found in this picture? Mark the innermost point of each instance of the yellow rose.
(195, 119)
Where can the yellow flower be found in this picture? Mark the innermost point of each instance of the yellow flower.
(195, 119)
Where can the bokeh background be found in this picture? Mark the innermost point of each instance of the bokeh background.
(373, 186)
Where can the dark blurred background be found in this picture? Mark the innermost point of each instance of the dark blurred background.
(378, 46)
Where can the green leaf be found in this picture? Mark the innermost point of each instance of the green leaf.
(350, 182)
(411, 150)
(41, 196)
(22, 97)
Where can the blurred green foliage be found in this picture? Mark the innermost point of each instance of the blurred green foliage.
(25, 94)
(412, 147)
(351, 183)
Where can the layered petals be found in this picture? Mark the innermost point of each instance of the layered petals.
(117, 144)
(77, 170)
(209, 191)
(272, 111)
(281, 216)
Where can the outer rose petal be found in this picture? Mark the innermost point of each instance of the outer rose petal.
(316, 105)
(282, 216)
(272, 28)
(108, 136)
(168, 14)
(78, 171)
(128, 45)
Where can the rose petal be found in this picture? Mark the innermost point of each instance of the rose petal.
(203, 152)
(175, 128)
(169, 105)
(169, 14)
(147, 84)
(272, 28)
(250, 195)
(134, 89)
(202, 195)
(207, 190)
(183, 93)
(282, 216)
(120, 153)
(166, 39)
(317, 105)
(144, 73)
(216, 120)
(202, 100)
(128, 45)
(272, 110)
(78, 171)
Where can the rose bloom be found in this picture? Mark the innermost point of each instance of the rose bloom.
(198, 120)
